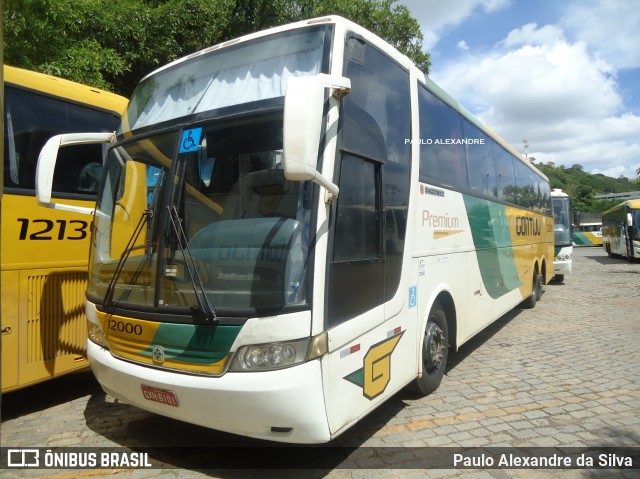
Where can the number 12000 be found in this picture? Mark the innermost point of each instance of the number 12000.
(47, 229)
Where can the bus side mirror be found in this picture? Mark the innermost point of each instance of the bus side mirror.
(303, 112)
(47, 164)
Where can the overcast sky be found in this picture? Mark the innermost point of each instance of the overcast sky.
(564, 75)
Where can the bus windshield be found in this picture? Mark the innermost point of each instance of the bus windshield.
(562, 220)
(251, 71)
(218, 220)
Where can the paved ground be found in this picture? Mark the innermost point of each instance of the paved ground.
(565, 374)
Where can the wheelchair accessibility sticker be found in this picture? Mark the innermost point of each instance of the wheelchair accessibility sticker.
(413, 296)
(190, 140)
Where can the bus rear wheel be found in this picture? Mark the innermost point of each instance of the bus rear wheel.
(536, 291)
(435, 351)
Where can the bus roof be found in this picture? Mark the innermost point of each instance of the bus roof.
(558, 193)
(342, 25)
(66, 89)
(633, 204)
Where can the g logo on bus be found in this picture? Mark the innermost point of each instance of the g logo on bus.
(158, 354)
(375, 374)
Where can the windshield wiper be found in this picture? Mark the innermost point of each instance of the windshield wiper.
(206, 309)
(108, 297)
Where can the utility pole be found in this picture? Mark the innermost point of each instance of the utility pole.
(526, 145)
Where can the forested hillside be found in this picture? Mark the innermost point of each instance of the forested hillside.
(582, 186)
(112, 45)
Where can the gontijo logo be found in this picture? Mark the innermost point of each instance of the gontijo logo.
(375, 374)
(526, 226)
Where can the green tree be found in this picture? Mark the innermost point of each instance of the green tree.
(582, 186)
(113, 44)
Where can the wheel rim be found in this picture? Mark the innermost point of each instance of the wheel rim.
(434, 347)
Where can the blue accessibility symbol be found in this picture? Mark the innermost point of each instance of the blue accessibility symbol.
(413, 296)
(190, 140)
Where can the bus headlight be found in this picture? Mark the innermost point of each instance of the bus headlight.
(96, 334)
(564, 257)
(262, 357)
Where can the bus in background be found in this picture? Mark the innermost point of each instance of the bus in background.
(562, 237)
(587, 234)
(45, 251)
(294, 226)
(621, 230)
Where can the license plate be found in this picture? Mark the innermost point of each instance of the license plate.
(163, 396)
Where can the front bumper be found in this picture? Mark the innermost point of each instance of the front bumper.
(286, 405)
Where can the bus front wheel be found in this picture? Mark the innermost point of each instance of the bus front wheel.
(435, 350)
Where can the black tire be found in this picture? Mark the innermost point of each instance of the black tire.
(434, 352)
(559, 278)
(536, 291)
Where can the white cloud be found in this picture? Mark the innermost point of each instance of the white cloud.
(554, 84)
(610, 27)
(530, 34)
(435, 15)
(535, 84)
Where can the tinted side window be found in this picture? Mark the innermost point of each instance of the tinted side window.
(442, 158)
(482, 178)
(30, 120)
(378, 104)
(545, 198)
(357, 232)
(527, 183)
(506, 179)
(356, 277)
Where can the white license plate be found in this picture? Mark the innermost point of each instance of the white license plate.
(163, 396)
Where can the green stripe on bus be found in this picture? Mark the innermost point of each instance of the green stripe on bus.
(489, 229)
(202, 344)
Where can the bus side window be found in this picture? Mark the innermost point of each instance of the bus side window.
(506, 187)
(357, 235)
(479, 161)
(442, 159)
(356, 281)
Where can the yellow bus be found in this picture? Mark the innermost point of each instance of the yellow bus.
(588, 234)
(44, 252)
(296, 225)
(621, 230)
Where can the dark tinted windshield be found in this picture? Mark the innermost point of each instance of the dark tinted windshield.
(245, 227)
(562, 220)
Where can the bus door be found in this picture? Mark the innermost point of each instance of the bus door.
(628, 233)
(369, 358)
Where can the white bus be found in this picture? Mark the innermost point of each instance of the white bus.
(587, 234)
(563, 236)
(295, 225)
(621, 230)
